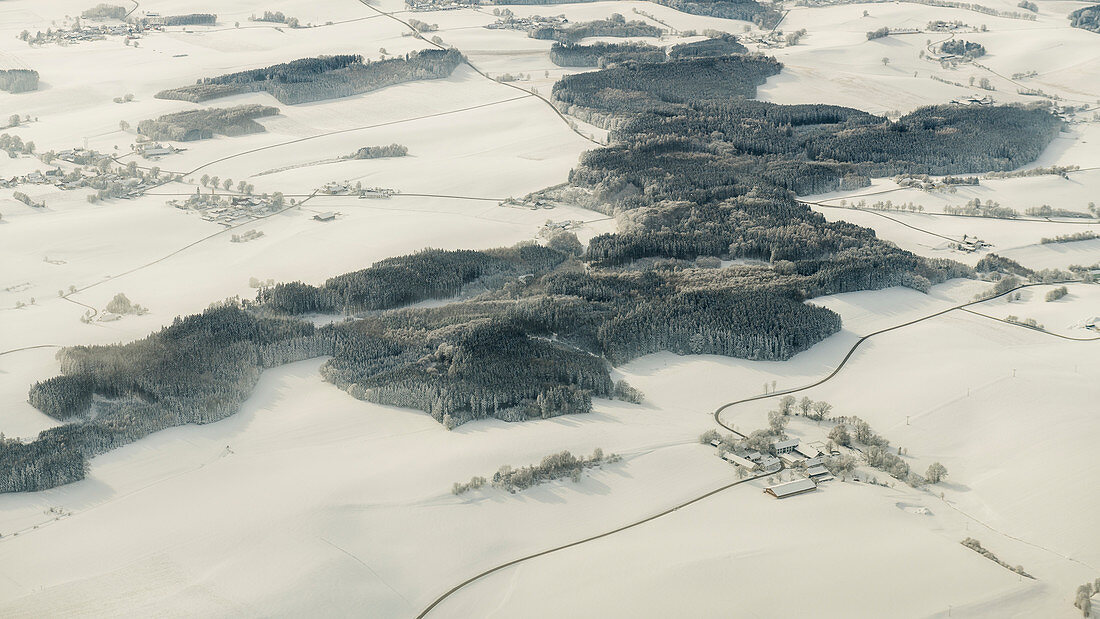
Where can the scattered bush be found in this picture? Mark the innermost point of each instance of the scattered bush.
(1057, 293)
(378, 152)
(976, 546)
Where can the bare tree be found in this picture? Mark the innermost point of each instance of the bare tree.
(821, 410)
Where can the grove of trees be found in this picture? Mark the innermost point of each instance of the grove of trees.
(1087, 18)
(324, 77)
(203, 124)
(18, 80)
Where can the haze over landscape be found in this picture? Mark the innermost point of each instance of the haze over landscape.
(648, 308)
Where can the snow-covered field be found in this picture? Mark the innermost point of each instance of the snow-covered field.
(310, 502)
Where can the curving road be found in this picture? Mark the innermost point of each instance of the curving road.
(860, 341)
(416, 33)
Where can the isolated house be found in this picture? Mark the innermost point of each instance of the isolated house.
(791, 488)
(326, 216)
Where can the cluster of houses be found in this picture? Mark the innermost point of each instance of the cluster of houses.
(981, 100)
(53, 176)
(155, 150)
(947, 26)
(226, 210)
(925, 183)
(971, 244)
(376, 193)
(440, 5)
(533, 204)
(794, 453)
(552, 228)
(527, 23)
(97, 32)
(769, 39)
(346, 189)
(125, 187)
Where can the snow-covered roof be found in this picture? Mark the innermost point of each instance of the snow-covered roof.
(791, 442)
(816, 470)
(807, 450)
(738, 460)
(791, 488)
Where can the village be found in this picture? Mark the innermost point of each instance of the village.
(90, 169)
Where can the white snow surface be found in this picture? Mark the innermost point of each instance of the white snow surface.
(309, 502)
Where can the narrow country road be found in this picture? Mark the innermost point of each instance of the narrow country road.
(852, 350)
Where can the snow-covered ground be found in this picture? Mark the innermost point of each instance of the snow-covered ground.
(311, 502)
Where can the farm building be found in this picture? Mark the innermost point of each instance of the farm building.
(807, 450)
(818, 473)
(791, 488)
(739, 461)
(787, 446)
(326, 216)
(770, 464)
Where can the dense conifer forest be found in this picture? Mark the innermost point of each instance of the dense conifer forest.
(105, 11)
(765, 16)
(724, 44)
(18, 80)
(203, 124)
(748, 10)
(697, 173)
(325, 77)
(960, 47)
(604, 54)
(1087, 18)
(189, 19)
(614, 26)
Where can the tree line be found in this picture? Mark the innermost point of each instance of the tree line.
(324, 77)
(1087, 18)
(614, 26)
(203, 124)
(18, 80)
